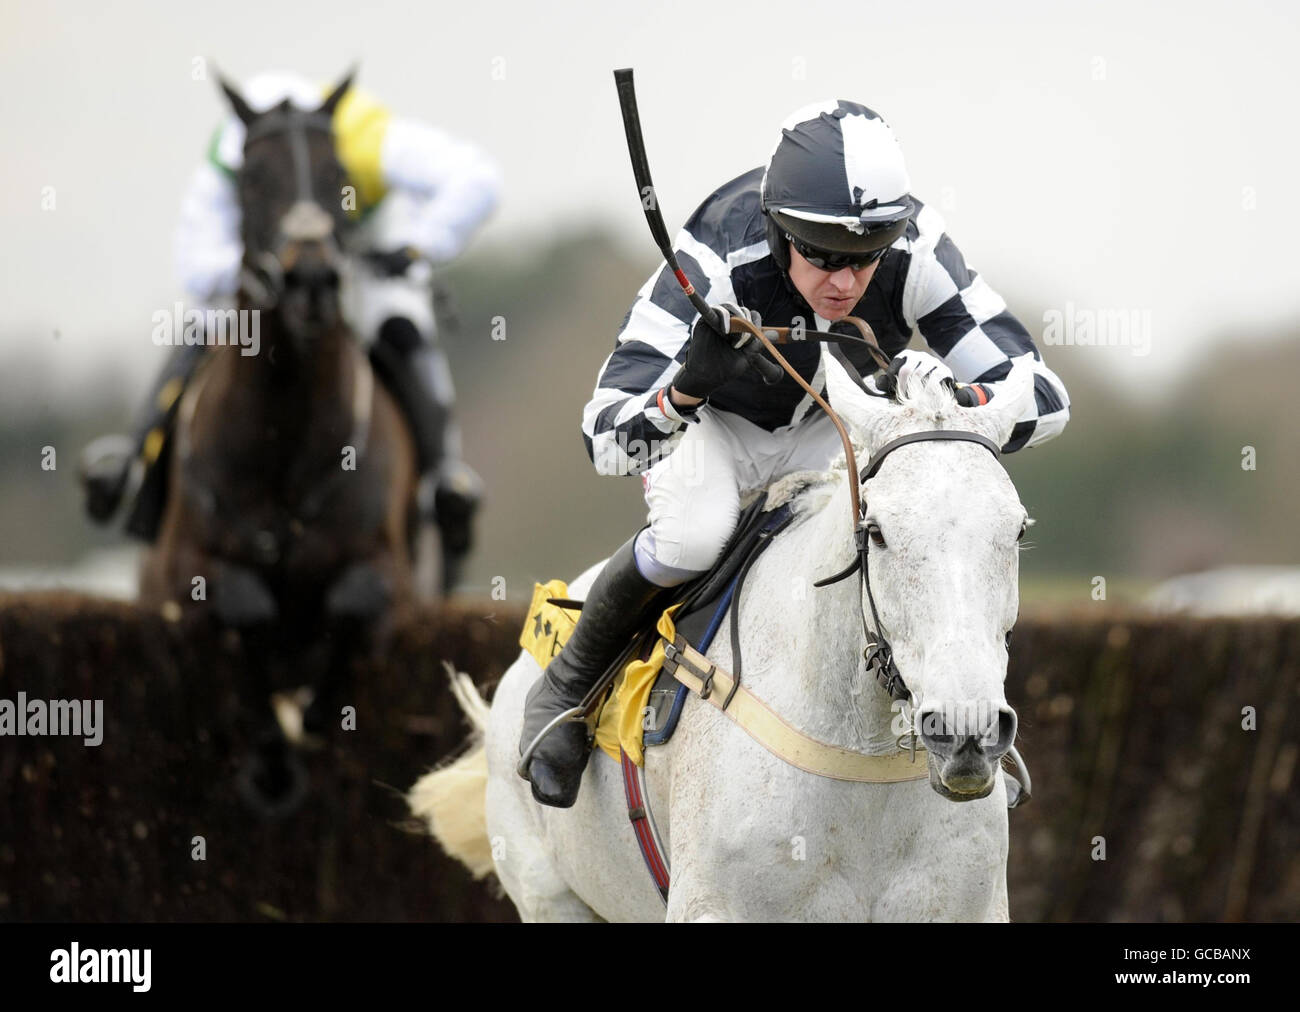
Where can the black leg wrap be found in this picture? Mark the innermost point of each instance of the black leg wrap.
(457, 499)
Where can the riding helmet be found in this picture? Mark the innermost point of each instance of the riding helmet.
(836, 181)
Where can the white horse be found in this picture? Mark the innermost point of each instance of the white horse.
(748, 836)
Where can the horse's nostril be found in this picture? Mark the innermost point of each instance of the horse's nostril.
(1006, 732)
(935, 734)
(955, 727)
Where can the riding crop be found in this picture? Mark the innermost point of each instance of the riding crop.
(780, 335)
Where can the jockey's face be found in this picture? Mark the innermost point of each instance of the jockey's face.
(832, 294)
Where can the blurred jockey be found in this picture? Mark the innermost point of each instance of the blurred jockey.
(827, 230)
(419, 194)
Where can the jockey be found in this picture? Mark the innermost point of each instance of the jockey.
(419, 196)
(828, 229)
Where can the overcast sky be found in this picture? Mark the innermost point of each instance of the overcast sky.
(1113, 155)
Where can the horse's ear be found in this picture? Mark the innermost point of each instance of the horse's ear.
(336, 96)
(1013, 399)
(242, 109)
(862, 412)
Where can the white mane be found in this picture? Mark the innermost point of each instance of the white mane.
(807, 490)
(928, 396)
(923, 404)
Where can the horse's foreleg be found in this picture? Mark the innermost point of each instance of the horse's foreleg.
(239, 597)
(358, 611)
(362, 593)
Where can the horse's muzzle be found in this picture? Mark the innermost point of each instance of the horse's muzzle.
(312, 273)
(964, 766)
(309, 298)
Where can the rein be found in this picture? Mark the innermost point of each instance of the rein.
(878, 654)
(723, 689)
(787, 335)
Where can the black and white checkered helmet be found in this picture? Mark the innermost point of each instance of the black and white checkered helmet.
(836, 181)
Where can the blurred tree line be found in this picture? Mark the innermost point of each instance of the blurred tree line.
(1133, 490)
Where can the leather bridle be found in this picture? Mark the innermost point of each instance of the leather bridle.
(878, 654)
(262, 274)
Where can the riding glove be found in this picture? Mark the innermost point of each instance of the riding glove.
(908, 363)
(713, 359)
(920, 363)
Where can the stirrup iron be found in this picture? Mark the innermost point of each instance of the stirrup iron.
(573, 713)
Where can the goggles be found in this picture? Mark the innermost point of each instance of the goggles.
(827, 261)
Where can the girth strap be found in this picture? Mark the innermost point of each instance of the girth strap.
(643, 824)
(716, 686)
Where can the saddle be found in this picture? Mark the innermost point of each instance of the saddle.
(694, 611)
(698, 614)
(646, 688)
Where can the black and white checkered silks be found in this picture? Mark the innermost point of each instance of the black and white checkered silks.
(923, 284)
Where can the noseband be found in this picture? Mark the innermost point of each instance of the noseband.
(878, 654)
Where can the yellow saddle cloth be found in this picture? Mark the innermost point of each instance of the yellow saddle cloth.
(620, 722)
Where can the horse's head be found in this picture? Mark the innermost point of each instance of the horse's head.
(944, 524)
(291, 202)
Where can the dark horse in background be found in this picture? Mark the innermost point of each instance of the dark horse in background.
(292, 479)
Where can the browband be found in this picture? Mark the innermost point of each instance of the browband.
(925, 436)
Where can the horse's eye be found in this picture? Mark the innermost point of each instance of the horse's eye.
(1023, 527)
(873, 531)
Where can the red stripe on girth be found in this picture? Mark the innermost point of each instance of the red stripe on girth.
(641, 825)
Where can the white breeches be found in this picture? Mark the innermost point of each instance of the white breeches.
(372, 299)
(694, 493)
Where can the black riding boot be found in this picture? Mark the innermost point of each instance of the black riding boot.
(397, 356)
(616, 606)
(450, 489)
(106, 463)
